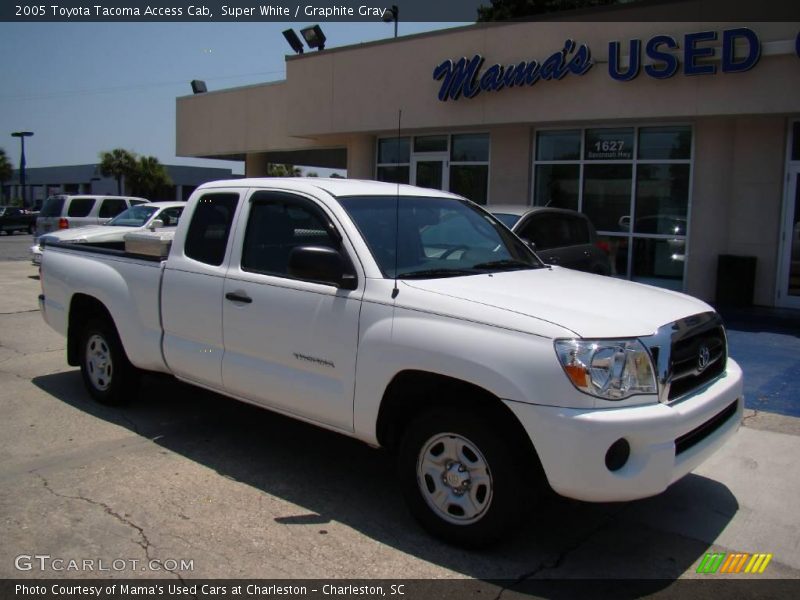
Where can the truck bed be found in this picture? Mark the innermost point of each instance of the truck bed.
(127, 284)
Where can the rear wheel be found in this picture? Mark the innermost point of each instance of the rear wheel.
(460, 477)
(107, 374)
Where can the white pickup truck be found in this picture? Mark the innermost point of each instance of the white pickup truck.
(413, 320)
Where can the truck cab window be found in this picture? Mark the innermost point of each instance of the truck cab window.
(275, 227)
(210, 227)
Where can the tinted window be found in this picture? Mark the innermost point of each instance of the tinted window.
(52, 207)
(208, 232)
(111, 208)
(470, 147)
(170, 216)
(558, 145)
(394, 150)
(277, 224)
(135, 202)
(549, 231)
(80, 207)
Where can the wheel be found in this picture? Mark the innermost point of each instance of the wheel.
(460, 477)
(107, 374)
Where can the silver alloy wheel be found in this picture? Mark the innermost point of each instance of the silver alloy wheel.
(98, 362)
(454, 478)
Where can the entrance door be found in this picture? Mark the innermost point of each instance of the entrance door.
(789, 292)
(430, 172)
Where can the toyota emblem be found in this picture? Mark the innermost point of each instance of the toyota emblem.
(703, 358)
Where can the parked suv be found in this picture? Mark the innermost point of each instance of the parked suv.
(559, 236)
(67, 212)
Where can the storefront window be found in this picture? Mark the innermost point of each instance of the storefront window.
(609, 144)
(394, 150)
(430, 143)
(558, 145)
(662, 199)
(557, 185)
(607, 196)
(633, 183)
(660, 143)
(796, 141)
(470, 147)
(465, 173)
(397, 174)
(470, 181)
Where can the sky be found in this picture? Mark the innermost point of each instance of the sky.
(83, 88)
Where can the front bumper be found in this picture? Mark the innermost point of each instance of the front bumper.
(572, 443)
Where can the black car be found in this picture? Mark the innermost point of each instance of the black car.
(560, 237)
(14, 219)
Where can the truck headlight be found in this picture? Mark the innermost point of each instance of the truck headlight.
(608, 369)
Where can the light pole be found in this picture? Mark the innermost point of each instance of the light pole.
(22, 135)
(392, 14)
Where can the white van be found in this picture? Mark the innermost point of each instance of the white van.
(68, 212)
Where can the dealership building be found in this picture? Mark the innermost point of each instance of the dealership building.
(680, 141)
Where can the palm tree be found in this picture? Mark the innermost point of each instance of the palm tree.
(149, 177)
(279, 170)
(5, 170)
(119, 164)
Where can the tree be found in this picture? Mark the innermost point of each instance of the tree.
(503, 10)
(149, 178)
(119, 164)
(6, 170)
(279, 170)
(312, 174)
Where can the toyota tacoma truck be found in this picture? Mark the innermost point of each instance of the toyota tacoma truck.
(413, 320)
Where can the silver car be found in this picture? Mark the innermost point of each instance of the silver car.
(153, 215)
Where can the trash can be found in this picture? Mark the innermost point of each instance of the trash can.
(736, 280)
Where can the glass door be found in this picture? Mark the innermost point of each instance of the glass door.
(430, 172)
(789, 293)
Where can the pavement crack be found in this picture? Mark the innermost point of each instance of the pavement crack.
(563, 554)
(747, 417)
(20, 312)
(144, 541)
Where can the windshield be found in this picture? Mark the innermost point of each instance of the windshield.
(438, 237)
(135, 216)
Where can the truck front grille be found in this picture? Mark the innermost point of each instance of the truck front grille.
(688, 354)
(696, 360)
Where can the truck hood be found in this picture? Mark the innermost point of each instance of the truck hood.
(591, 306)
(91, 233)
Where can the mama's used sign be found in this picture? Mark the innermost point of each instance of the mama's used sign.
(465, 77)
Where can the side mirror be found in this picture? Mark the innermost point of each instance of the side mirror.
(156, 224)
(322, 265)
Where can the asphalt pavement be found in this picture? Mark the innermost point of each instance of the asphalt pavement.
(185, 476)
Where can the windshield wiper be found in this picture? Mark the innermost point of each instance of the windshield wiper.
(434, 273)
(508, 263)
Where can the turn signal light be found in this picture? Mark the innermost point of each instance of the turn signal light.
(63, 223)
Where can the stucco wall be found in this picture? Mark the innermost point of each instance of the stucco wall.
(736, 200)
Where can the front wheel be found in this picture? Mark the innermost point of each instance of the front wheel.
(107, 374)
(460, 477)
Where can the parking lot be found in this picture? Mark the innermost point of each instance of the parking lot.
(217, 489)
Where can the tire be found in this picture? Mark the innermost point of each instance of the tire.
(460, 477)
(107, 373)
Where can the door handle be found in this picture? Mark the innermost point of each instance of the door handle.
(234, 297)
